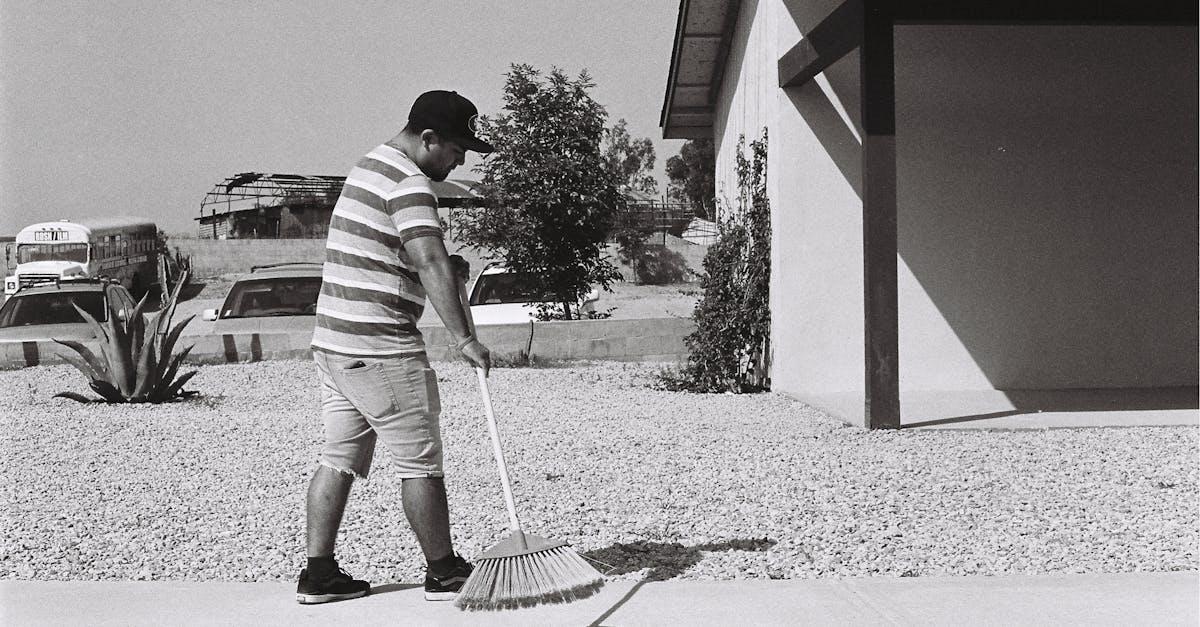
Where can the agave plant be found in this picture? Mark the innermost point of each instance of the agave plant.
(135, 364)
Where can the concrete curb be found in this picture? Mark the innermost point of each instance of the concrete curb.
(651, 339)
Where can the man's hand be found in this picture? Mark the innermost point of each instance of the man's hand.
(462, 267)
(477, 355)
(442, 276)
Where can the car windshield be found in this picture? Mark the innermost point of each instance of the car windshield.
(23, 310)
(494, 289)
(280, 296)
(52, 252)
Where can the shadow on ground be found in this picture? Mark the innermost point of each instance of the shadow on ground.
(665, 561)
(394, 587)
(186, 293)
(1082, 401)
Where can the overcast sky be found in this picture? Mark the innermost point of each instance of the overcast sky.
(139, 108)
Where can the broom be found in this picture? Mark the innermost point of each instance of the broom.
(523, 569)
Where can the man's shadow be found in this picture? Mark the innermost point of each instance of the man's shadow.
(394, 587)
(665, 561)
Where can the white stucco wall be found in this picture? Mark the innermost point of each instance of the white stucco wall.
(817, 351)
(1047, 206)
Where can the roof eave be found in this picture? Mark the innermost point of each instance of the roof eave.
(711, 35)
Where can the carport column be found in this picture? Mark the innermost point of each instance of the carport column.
(877, 76)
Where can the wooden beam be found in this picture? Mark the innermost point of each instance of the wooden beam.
(1131, 12)
(688, 132)
(836, 35)
(732, 9)
(880, 300)
(841, 31)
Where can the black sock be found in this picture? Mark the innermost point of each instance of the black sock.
(320, 567)
(443, 565)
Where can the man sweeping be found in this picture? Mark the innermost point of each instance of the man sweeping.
(384, 256)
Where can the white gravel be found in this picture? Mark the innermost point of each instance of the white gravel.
(656, 484)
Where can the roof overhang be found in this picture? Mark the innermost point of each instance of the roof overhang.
(703, 33)
(843, 29)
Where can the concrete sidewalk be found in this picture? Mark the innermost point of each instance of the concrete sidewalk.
(1118, 599)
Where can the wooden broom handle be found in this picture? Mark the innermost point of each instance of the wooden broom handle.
(513, 523)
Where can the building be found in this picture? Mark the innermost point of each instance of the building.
(978, 209)
(254, 205)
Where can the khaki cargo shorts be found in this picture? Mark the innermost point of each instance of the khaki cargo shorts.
(394, 399)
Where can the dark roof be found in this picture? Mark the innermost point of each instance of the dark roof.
(249, 191)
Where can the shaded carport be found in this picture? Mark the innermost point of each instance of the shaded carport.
(865, 28)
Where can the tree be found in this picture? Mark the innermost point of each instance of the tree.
(548, 198)
(691, 174)
(630, 160)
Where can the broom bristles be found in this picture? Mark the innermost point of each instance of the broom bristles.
(556, 575)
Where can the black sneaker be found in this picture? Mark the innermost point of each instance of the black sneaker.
(445, 587)
(337, 587)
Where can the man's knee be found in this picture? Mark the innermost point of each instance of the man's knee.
(329, 473)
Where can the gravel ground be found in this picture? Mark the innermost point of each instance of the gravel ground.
(656, 484)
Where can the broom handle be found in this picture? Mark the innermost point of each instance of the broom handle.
(513, 522)
(485, 393)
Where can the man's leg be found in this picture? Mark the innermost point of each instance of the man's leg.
(349, 445)
(321, 580)
(428, 515)
(413, 435)
(328, 492)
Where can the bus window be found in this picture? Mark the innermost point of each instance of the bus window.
(27, 253)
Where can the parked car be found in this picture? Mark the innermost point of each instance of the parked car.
(496, 297)
(270, 299)
(45, 311)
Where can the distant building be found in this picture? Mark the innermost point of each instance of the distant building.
(254, 205)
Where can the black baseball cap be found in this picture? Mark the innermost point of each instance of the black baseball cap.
(451, 115)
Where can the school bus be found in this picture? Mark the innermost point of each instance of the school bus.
(122, 249)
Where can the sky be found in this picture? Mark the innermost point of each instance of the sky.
(139, 108)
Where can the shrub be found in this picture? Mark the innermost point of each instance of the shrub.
(136, 363)
(652, 264)
(730, 349)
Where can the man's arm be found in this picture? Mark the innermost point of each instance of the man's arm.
(440, 281)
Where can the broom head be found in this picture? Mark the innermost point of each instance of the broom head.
(524, 570)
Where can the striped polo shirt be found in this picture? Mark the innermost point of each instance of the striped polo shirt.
(371, 296)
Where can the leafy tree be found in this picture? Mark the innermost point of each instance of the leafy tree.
(630, 160)
(692, 177)
(548, 198)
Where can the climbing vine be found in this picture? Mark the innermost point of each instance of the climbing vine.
(730, 349)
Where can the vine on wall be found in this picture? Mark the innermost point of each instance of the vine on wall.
(730, 349)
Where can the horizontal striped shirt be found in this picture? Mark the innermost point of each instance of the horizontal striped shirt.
(371, 296)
